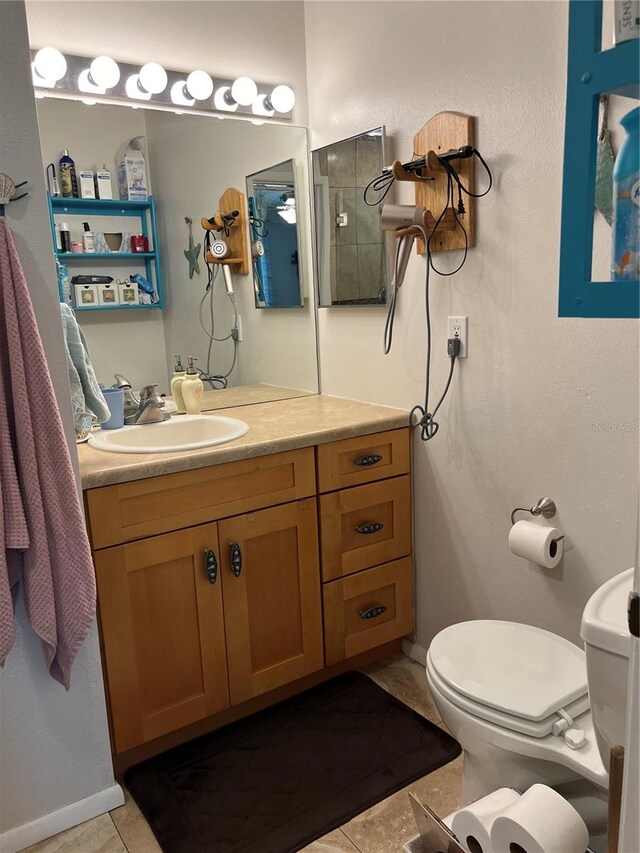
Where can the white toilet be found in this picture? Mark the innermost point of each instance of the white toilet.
(528, 706)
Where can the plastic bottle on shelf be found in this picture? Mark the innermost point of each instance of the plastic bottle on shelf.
(625, 260)
(68, 179)
(88, 239)
(192, 389)
(176, 386)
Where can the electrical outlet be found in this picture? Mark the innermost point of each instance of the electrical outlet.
(239, 327)
(458, 327)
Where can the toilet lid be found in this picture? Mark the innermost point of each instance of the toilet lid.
(517, 669)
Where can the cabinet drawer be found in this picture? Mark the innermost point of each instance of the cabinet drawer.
(365, 526)
(143, 508)
(367, 609)
(363, 459)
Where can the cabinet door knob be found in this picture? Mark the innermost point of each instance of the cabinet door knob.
(372, 612)
(210, 565)
(236, 559)
(365, 461)
(371, 527)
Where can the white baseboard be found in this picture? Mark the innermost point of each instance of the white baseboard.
(44, 827)
(414, 651)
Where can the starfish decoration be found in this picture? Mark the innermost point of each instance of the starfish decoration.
(191, 254)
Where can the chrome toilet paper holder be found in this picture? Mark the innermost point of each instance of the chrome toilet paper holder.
(545, 507)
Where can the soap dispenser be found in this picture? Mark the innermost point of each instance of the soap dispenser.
(176, 386)
(192, 389)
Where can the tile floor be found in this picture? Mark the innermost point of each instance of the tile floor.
(384, 828)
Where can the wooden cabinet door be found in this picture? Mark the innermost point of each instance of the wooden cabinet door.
(160, 606)
(272, 598)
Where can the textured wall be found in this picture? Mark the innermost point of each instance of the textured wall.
(54, 745)
(534, 409)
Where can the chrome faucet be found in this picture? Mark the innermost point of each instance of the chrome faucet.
(149, 409)
(131, 402)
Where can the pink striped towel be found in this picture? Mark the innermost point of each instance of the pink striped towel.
(43, 540)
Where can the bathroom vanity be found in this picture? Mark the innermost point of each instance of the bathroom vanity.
(233, 577)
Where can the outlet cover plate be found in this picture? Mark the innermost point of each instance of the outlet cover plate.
(458, 327)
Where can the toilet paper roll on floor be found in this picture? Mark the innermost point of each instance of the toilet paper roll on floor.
(541, 821)
(536, 543)
(472, 824)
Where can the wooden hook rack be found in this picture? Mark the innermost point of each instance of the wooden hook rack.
(443, 132)
(237, 240)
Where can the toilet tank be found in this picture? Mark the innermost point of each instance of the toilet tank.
(607, 643)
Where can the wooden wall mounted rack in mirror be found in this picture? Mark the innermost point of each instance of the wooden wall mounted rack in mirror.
(237, 241)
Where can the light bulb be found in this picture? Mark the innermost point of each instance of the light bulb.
(104, 72)
(200, 85)
(133, 90)
(153, 78)
(259, 108)
(179, 94)
(244, 91)
(87, 84)
(281, 99)
(50, 64)
(40, 82)
(222, 100)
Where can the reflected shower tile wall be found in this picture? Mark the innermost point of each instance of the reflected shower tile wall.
(367, 220)
(368, 160)
(342, 164)
(347, 272)
(333, 272)
(370, 273)
(344, 201)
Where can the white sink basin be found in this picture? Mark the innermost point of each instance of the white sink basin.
(189, 432)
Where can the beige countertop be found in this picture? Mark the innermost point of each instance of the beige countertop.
(273, 427)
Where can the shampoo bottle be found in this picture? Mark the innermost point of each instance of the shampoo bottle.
(192, 389)
(625, 261)
(68, 179)
(176, 386)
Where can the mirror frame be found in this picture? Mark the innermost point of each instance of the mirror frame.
(248, 178)
(314, 241)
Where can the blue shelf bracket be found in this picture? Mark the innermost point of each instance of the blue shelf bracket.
(591, 72)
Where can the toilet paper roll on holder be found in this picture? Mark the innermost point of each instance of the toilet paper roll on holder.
(545, 507)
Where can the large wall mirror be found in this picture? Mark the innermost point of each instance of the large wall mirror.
(351, 248)
(275, 252)
(190, 161)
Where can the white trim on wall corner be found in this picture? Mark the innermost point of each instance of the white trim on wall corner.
(415, 652)
(44, 827)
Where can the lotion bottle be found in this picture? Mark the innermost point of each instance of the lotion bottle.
(192, 389)
(176, 386)
(88, 239)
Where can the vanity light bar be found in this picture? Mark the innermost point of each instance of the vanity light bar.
(67, 76)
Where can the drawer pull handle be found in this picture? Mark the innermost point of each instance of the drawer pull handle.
(236, 559)
(372, 612)
(210, 565)
(365, 461)
(371, 527)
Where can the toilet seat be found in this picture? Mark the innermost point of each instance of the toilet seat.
(516, 676)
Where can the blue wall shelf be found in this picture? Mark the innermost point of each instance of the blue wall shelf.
(143, 211)
(591, 72)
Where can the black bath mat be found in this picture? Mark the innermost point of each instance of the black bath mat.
(276, 781)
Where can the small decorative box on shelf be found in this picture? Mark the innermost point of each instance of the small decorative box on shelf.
(146, 225)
